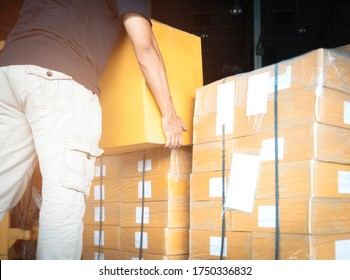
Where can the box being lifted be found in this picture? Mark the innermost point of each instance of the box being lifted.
(131, 118)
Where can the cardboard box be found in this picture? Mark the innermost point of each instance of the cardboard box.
(300, 179)
(157, 161)
(301, 247)
(163, 214)
(330, 247)
(107, 237)
(206, 245)
(314, 141)
(102, 254)
(296, 215)
(207, 215)
(162, 187)
(294, 109)
(108, 254)
(208, 185)
(108, 167)
(329, 216)
(304, 178)
(159, 241)
(136, 256)
(311, 87)
(291, 246)
(299, 216)
(345, 49)
(108, 214)
(109, 191)
(131, 118)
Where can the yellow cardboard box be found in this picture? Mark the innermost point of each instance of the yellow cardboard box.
(131, 118)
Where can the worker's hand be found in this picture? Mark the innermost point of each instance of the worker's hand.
(173, 128)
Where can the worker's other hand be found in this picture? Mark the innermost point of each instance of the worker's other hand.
(173, 128)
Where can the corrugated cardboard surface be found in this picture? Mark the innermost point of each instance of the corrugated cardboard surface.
(100, 254)
(157, 161)
(159, 214)
(108, 214)
(109, 237)
(206, 245)
(158, 241)
(109, 191)
(162, 187)
(296, 215)
(314, 141)
(301, 247)
(131, 118)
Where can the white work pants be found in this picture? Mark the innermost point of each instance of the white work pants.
(44, 114)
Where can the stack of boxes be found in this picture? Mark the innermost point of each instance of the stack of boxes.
(144, 194)
(150, 184)
(157, 183)
(102, 219)
(313, 161)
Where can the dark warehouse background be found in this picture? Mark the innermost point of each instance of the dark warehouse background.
(230, 29)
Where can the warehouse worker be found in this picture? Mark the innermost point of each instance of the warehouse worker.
(49, 105)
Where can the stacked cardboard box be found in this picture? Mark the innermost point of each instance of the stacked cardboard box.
(102, 219)
(132, 129)
(235, 138)
(151, 184)
(155, 187)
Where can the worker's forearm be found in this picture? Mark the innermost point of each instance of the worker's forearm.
(153, 69)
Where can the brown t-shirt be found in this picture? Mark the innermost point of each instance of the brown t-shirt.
(75, 37)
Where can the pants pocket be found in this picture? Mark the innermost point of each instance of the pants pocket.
(80, 160)
(49, 89)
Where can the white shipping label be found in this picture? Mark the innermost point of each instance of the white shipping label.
(267, 216)
(268, 149)
(98, 170)
(148, 165)
(283, 80)
(99, 238)
(100, 256)
(258, 94)
(225, 105)
(215, 187)
(147, 189)
(347, 112)
(144, 240)
(344, 182)
(139, 215)
(244, 176)
(342, 249)
(99, 192)
(99, 215)
(215, 246)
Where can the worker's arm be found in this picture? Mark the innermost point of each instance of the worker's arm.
(152, 66)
